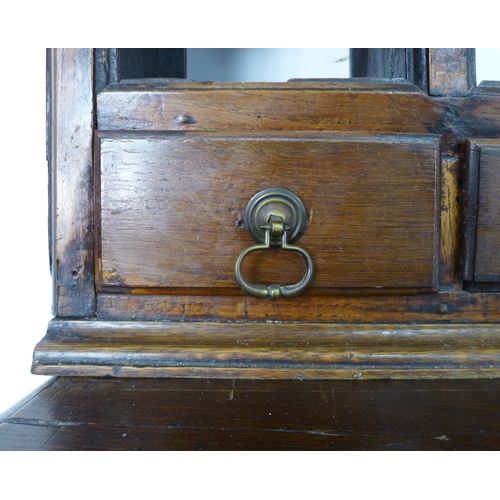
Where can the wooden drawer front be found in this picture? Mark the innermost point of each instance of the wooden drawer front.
(483, 211)
(169, 207)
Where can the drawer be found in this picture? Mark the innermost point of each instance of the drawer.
(170, 210)
(482, 215)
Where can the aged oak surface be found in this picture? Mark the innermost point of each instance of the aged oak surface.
(351, 308)
(170, 207)
(441, 71)
(481, 227)
(398, 267)
(71, 122)
(485, 168)
(410, 64)
(339, 105)
(180, 414)
(451, 71)
(261, 350)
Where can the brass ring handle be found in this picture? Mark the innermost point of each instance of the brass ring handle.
(273, 292)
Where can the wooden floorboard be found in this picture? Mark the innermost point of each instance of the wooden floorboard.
(202, 414)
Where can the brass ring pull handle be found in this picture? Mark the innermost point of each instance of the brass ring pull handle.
(274, 217)
(273, 292)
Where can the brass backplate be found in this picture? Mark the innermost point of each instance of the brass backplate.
(276, 202)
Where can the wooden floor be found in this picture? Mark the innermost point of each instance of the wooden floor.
(191, 414)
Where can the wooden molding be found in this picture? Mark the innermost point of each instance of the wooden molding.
(279, 350)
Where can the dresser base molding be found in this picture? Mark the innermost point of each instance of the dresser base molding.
(268, 350)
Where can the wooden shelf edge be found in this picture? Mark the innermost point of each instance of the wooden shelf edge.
(269, 350)
(360, 84)
(479, 372)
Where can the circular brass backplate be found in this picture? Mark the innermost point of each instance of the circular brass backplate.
(280, 203)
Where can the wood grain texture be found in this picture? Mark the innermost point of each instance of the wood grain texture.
(72, 123)
(165, 349)
(417, 67)
(487, 87)
(470, 201)
(487, 255)
(409, 64)
(481, 232)
(379, 63)
(357, 105)
(452, 72)
(105, 68)
(326, 335)
(183, 414)
(170, 206)
(451, 222)
(442, 307)
(343, 106)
